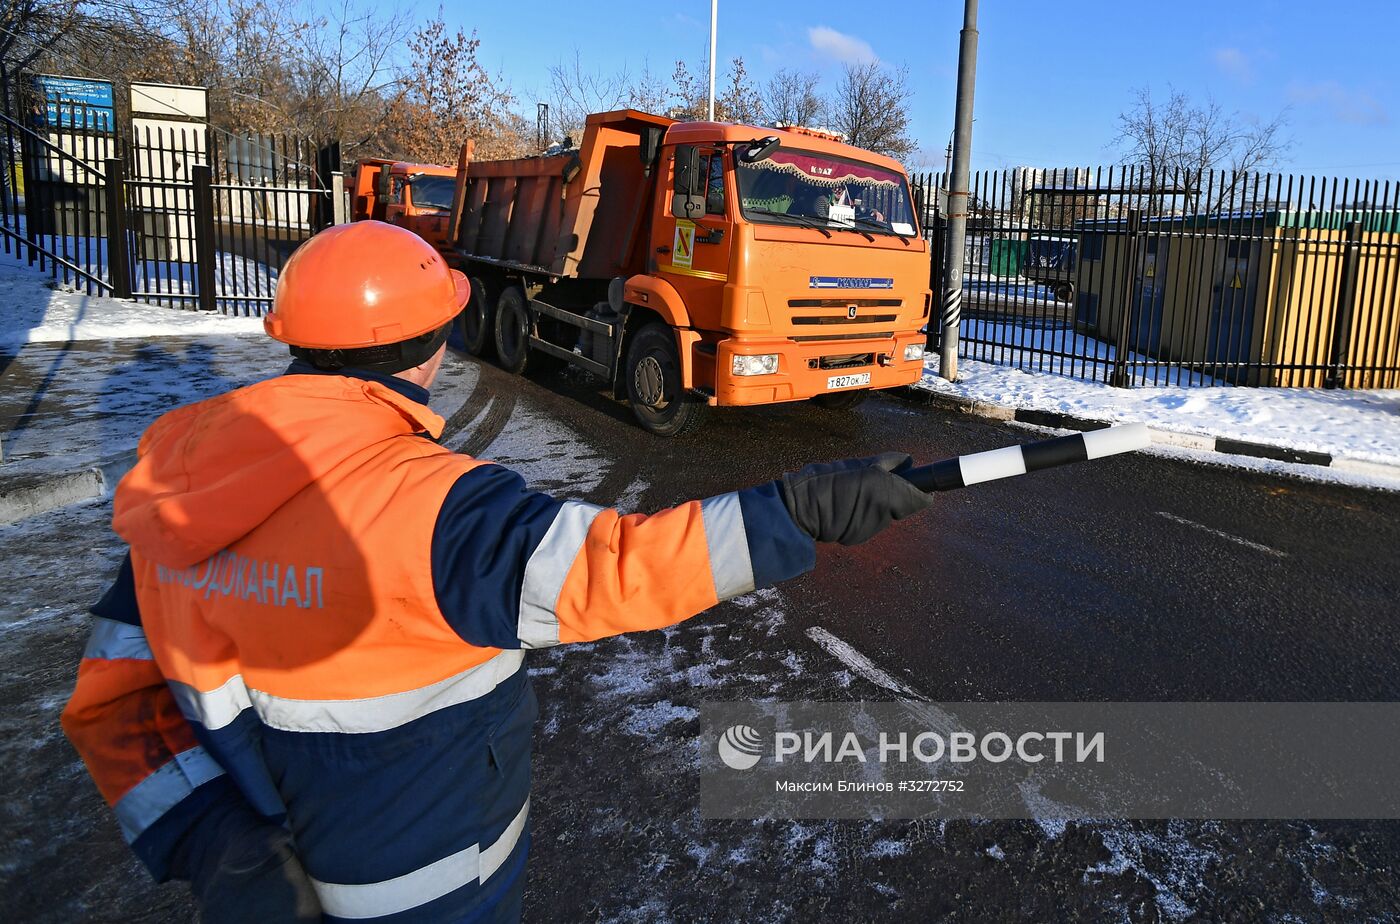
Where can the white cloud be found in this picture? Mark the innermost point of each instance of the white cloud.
(1232, 62)
(844, 48)
(1346, 104)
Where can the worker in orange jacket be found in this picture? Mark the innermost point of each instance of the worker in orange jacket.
(305, 691)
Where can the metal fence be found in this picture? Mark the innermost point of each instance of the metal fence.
(1130, 277)
(181, 215)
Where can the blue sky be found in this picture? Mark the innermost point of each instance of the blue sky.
(1052, 76)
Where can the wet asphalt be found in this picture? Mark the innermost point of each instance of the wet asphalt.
(1134, 578)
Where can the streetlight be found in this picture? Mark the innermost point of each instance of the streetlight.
(714, 21)
(950, 313)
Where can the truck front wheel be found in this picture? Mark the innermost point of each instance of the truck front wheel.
(477, 320)
(653, 372)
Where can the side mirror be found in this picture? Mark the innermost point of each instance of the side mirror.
(382, 181)
(688, 200)
(761, 149)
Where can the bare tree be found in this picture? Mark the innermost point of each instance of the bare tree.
(28, 28)
(791, 98)
(689, 95)
(576, 91)
(1180, 140)
(736, 99)
(447, 96)
(647, 91)
(343, 72)
(246, 53)
(871, 108)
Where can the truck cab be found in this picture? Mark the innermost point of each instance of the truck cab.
(798, 259)
(414, 196)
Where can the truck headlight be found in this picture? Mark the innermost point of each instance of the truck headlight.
(763, 364)
(913, 351)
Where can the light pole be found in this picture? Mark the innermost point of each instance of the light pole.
(714, 22)
(950, 313)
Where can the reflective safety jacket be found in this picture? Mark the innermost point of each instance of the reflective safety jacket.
(321, 622)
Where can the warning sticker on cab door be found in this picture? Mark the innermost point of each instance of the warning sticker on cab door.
(684, 245)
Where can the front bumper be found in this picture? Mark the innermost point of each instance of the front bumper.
(802, 371)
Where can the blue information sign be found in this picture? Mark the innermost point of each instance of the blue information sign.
(75, 103)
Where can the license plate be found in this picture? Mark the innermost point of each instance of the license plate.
(848, 381)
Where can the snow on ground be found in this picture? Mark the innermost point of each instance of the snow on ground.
(1360, 425)
(32, 311)
(1027, 342)
(83, 376)
(236, 275)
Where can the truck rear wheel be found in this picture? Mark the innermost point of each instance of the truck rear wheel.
(1064, 291)
(477, 320)
(513, 327)
(653, 376)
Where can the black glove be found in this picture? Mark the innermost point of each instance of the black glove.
(255, 878)
(850, 501)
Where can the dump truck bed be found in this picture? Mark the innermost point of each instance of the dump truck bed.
(581, 214)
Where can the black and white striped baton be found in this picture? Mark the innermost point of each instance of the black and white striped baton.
(971, 469)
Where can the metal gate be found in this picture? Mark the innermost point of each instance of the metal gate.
(189, 217)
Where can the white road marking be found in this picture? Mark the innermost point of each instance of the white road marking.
(858, 662)
(934, 719)
(1238, 540)
(914, 702)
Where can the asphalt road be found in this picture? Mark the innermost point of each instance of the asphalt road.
(1132, 578)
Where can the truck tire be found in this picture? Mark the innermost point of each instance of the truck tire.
(653, 379)
(513, 328)
(477, 321)
(841, 400)
(1064, 291)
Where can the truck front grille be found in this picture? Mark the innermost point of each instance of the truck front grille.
(845, 319)
(846, 361)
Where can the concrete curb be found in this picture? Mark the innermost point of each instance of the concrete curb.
(1217, 444)
(24, 496)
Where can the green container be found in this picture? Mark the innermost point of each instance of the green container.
(1007, 256)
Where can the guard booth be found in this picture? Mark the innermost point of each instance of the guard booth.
(1231, 294)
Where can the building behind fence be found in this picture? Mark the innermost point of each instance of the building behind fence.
(1110, 274)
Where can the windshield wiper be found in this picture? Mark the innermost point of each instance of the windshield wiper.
(799, 218)
(882, 226)
(854, 230)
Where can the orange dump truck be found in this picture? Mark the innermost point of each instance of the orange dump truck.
(416, 196)
(697, 264)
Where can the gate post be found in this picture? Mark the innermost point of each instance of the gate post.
(118, 252)
(1346, 308)
(1120, 377)
(205, 251)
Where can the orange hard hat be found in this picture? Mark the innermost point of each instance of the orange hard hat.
(364, 284)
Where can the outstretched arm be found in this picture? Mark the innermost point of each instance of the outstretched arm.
(517, 569)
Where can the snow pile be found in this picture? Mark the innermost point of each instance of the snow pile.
(1361, 425)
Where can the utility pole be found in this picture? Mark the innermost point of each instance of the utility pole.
(951, 310)
(714, 23)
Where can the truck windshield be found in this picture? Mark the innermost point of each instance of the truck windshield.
(833, 191)
(433, 192)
